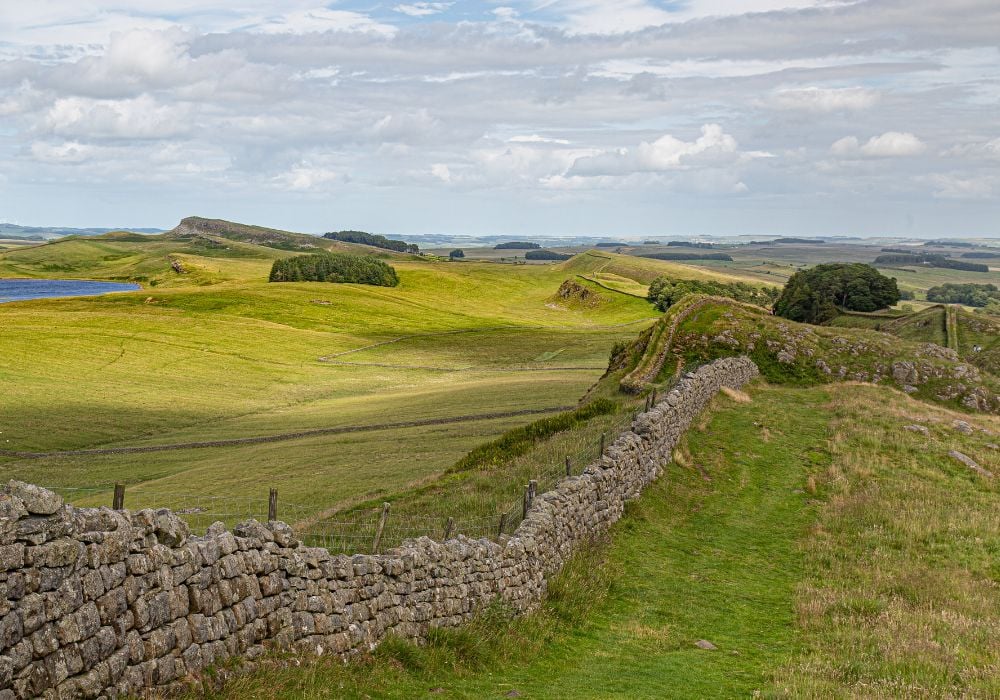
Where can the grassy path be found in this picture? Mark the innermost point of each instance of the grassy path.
(951, 326)
(710, 552)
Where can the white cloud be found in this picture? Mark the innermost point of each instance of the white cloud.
(305, 177)
(611, 16)
(65, 152)
(713, 148)
(422, 9)
(323, 20)
(891, 144)
(535, 138)
(441, 172)
(406, 127)
(821, 100)
(957, 186)
(139, 118)
(975, 151)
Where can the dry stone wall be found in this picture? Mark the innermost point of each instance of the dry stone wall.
(104, 603)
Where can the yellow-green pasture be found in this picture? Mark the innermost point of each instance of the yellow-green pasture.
(217, 353)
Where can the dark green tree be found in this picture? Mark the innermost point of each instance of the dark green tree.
(814, 295)
(334, 267)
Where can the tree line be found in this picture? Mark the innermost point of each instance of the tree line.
(930, 260)
(373, 239)
(688, 256)
(968, 294)
(516, 245)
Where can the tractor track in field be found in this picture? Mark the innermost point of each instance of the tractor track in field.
(464, 369)
(281, 437)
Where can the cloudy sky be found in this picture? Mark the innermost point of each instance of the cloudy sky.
(523, 116)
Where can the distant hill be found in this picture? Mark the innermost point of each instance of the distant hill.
(246, 233)
(15, 231)
(195, 226)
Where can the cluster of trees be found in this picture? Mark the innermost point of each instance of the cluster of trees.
(686, 244)
(374, 240)
(968, 294)
(651, 243)
(980, 255)
(665, 292)
(610, 244)
(457, 253)
(814, 295)
(516, 245)
(806, 241)
(930, 260)
(334, 267)
(545, 255)
(953, 244)
(688, 256)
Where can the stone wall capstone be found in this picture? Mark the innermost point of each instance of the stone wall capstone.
(105, 603)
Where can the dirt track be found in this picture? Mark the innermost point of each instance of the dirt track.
(286, 436)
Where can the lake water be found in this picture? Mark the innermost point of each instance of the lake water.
(20, 290)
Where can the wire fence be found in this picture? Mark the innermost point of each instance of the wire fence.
(486, 505)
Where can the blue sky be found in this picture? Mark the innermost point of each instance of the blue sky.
(867, 117)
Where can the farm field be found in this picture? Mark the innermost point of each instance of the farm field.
(814, 571)
(215, 353)
(776, 263)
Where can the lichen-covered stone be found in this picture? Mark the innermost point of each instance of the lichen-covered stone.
(36, 500)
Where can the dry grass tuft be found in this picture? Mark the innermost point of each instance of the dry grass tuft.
(736, 395)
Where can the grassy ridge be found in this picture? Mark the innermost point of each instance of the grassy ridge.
(795, 353)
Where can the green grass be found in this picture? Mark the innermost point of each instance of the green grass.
(924, 326)
(900, 599)
(219, 353)
(823, 549)
(982, 330)
(795, 353)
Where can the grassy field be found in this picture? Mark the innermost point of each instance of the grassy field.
(645, 270)
(215, 352)
(776, 263)
(823, 549)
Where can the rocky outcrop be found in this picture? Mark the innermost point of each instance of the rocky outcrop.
(109, 603)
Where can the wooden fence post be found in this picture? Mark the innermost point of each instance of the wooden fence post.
(272, 505)
(532, 491)
(603, 436)
(118, 502)
(653, 401)
(449, 526)
(525, 501)
(569, 467)
(381, 527)
(503, 524)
